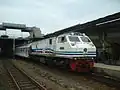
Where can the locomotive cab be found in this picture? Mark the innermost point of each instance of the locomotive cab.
(78, 48)
(75, 45)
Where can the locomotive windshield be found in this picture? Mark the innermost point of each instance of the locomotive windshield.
(74, 39)
(85, 39)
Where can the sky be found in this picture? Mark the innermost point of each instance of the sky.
(54, 15)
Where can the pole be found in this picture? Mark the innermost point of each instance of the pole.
(14, 48)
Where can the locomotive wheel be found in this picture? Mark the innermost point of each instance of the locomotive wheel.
(49, 61)
(42, 60)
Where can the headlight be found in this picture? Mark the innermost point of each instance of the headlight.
(91, 44)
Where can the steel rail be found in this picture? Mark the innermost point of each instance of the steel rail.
(30, 78)
(14, 80)
(30, 82)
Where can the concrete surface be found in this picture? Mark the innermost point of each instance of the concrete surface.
(110, 70)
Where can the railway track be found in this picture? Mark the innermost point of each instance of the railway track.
(19, 80)
(95, 77)
(104, 79)
(110, 81)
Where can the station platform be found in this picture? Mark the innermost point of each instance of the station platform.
(111, 70)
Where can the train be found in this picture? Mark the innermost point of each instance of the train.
(74, 51)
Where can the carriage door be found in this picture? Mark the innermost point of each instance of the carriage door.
(61, 44)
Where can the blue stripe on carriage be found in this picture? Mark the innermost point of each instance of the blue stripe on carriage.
(37, 49)
(66, 52)
(49, 49)
(76, 53)
(43, 49)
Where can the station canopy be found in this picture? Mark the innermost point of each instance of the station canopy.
(108, 24)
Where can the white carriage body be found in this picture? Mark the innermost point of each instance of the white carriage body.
(23, 51)
(70, 45)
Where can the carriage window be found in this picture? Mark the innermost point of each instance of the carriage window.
(85, 39)
(50, 41)
(74, 39)
(62, 39)
(21, 49)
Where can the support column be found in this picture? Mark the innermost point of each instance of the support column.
(103, 55)
(103, 40)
